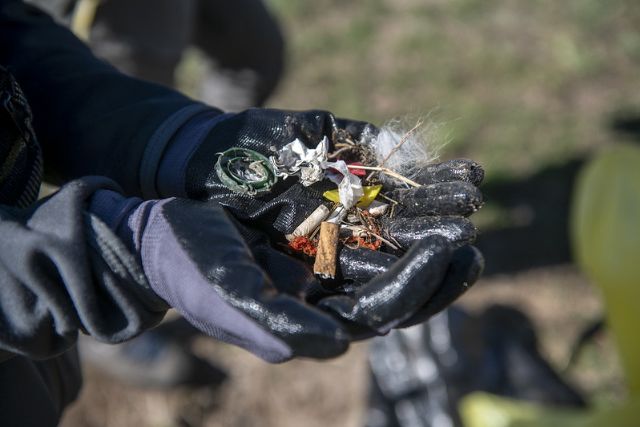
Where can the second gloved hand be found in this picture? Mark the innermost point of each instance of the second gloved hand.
(196, 260)
(228, 281)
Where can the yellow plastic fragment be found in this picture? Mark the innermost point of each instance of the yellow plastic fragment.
(332, 196)
(370, 193)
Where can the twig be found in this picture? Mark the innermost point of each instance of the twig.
(338, 152)
(358, 228)
(314, 232)
(395, 241)
(388, 172)
(395, 202)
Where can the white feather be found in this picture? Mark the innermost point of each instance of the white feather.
(418, 147)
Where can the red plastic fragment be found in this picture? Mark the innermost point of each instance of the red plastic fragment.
(369, 242)
(303, 244)
(357, 172)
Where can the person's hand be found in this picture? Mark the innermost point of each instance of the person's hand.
(229, 282)
(449, 191)
(439, 207)
(195, 259)
(388, 292)
(267, 131)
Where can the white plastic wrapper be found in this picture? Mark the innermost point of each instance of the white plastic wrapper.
(349, 185)
(295, 158)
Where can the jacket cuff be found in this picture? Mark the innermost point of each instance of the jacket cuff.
(160, 140)
(172, 170)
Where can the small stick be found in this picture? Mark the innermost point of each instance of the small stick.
(338, 152)
(387, 171)
(395, 202)
(395, 241)
(341, 144)
(366, 230)
(314, 232)
(325, 264)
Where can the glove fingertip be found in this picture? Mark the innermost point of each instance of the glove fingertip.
(458, 230)
(328, 340)
(338, 304)
(452, 170)
(466, 267)
(470, 259)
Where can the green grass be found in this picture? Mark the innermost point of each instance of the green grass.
(517, 85)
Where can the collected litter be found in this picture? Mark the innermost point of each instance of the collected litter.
(354, 210)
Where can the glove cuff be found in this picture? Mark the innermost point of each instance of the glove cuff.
(160, 140)
(116, 211)
(111, 207)
(171, 169)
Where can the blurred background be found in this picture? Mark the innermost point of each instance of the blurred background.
(529, 89)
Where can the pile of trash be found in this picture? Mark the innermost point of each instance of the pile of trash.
(355, 208)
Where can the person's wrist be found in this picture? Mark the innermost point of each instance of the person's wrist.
(112, 207)
(124, 215)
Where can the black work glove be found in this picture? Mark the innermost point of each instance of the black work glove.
(267, 131)
(449, 193)
(229, 282)
(437, 209)
(195, 259)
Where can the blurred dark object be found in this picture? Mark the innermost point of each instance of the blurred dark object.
(241, 41)
(626, 123)
(538, 207)
(538, 210)
(159, 358)
(419, 375)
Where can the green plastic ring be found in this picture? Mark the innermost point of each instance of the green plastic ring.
(245, 171)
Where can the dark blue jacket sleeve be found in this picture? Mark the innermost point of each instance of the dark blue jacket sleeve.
(90, 119)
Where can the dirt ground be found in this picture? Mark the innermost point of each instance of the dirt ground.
(333, 393)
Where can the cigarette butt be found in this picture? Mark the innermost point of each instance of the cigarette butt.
(325, 264)
(310, 223)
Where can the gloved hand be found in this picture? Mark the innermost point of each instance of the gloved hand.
(449, 192)
(230, 283)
